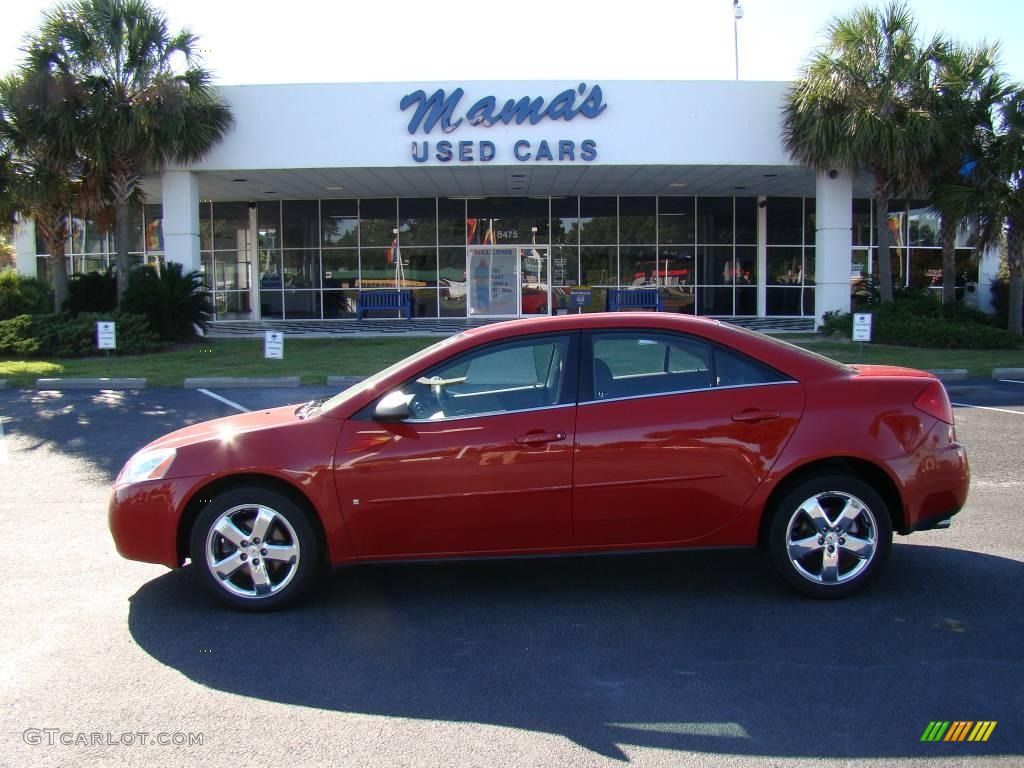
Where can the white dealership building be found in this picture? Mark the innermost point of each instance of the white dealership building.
(495, 199)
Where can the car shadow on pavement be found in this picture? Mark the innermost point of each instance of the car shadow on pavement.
(701, 651)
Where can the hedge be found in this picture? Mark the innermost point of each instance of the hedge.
(64, 335)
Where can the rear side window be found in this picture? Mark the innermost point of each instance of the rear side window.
(634, 364)
(733, 369)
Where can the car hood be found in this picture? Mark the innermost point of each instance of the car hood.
(228, 427)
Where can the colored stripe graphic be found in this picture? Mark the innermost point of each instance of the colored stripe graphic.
(936, 730)
(958, 730)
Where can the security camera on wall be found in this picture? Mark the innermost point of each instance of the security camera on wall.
(833, 174)
(762, 203)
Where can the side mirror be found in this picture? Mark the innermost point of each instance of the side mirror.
(394, 406)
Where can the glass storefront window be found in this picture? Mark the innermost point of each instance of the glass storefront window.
(715, 265)
(638, 267)
(863, 233)
(565, 265)
(300, 222)
(417, 221)
(638, 220)
(451, 221)
(746, 220)
(302, 305)
(714, 220)
(785, 217)
(155, 227)
(377, 268)
(205, 228)
(599, 266)
(419, 266)
(339, 223)
(507, 221)
(268, 220)
(301, 269)
(378, 220)
(746, 266)
(785, 266)
(230, 226)
(565, 220)
(599, 221)
(424, 302)
(340, 267)
(676, 220)
(339, 304)
(923, 227)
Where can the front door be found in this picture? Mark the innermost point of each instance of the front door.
(492, 278)
(484, 464)
(535, 298)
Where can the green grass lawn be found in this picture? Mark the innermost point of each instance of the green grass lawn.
(315, 359)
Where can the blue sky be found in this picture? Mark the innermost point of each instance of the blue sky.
(254, 41)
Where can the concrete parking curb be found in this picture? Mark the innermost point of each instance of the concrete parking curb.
(950, 374)
(98, 383)
(232, 382)
(343, 381)
(1008, 373)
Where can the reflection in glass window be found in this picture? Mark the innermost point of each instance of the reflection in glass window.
(599, 266)
(451, 221)
(733, 369)
(632, 364)
(417, 221)
(714, 220)
(637, 220)
(230, 225)
(785, 221)
(378, 220)
(565, 220)
(500, 378)
(599, 223)
(300, 221)
(339, 223)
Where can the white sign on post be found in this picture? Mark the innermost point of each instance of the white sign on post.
(273, 345)
(862, 326)
(106, 336)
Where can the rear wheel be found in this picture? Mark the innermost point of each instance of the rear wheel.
(254, 549)
(829, 536)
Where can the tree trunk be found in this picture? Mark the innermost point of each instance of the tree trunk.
(882, 241)
(121, 211)
(53, 226)
(947, 236)
(1015, 263)
(123, 182)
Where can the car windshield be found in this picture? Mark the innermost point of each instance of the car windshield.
(780, 343)
(345, 395)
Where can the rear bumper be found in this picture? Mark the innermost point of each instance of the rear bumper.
(935, 480)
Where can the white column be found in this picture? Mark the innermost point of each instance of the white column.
(988, 270)
(833, 242)
(25, 247)
(181, 218)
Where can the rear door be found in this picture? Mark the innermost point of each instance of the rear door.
(673, 434)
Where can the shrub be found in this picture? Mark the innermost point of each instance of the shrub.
(65, 335)
(919, 320)
(174, 302)
(92, 292)
(21, 295)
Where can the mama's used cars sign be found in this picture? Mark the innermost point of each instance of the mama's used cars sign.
(442, 110)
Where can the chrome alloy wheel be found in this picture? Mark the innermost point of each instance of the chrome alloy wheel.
(831, 538)
(252, 550)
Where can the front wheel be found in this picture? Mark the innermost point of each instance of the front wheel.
(829, 536)
(254, 549)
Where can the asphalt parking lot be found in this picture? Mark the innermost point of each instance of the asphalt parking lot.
(670, 659)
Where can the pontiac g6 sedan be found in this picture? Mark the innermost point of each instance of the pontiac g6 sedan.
(558, 435)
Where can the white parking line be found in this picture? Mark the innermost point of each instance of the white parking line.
(224, 400)
(3, 444)
(988, 408)
(1010, 381)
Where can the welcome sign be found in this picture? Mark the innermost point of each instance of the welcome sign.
(443, 110)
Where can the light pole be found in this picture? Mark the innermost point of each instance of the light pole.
(737, 14)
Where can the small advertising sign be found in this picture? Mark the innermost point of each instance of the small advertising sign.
(106, 335)
(273, 345)
(580, 297)
(862, 326)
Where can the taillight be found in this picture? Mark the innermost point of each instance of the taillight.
(934, 402)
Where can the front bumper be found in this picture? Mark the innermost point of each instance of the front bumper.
(144, 517)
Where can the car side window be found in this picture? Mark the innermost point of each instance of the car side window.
(499, 378)
(733, 369)
(638, 363)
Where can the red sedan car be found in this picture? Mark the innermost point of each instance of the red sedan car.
(571, 434)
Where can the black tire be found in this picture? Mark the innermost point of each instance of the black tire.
(275, 581)
(841, 553)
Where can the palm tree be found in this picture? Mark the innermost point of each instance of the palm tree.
(993, 196)
(862, 103)
(968, 88)
(40, 168)
(150, 101)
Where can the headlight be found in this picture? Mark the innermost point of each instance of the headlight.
(147, 465)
